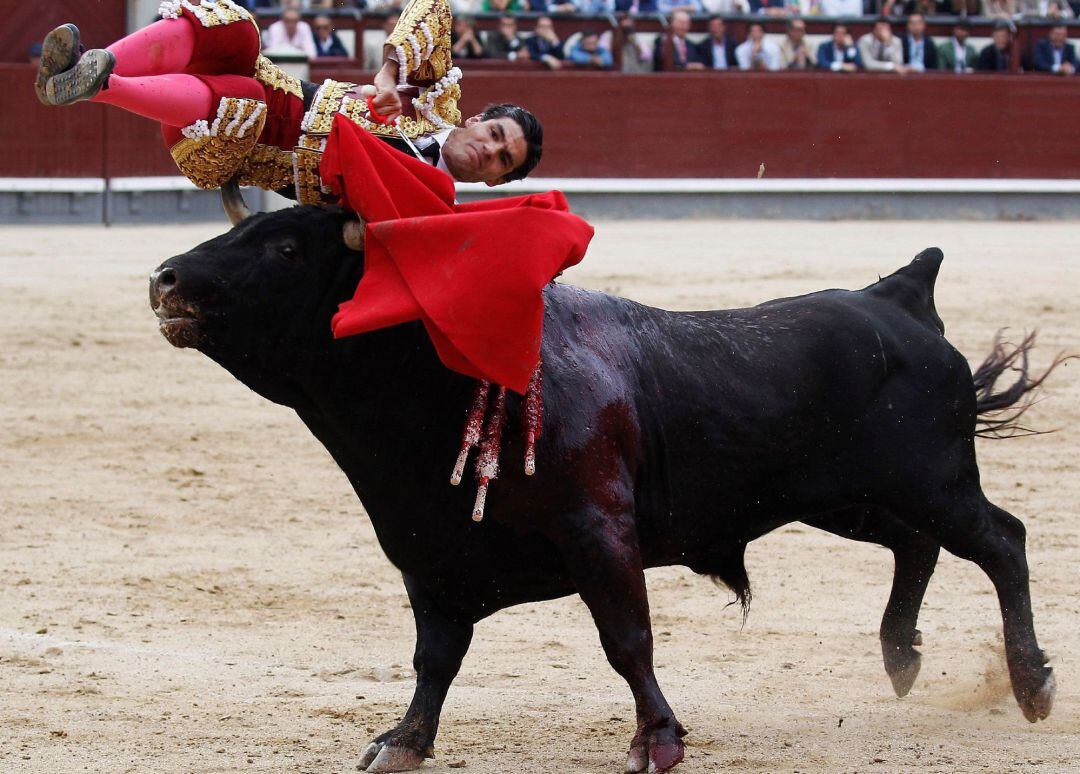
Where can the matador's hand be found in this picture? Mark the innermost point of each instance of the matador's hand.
(387, 101)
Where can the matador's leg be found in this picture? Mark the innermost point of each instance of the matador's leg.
(165, 46)
(196, 37)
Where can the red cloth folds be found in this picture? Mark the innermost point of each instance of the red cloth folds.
(472, 273)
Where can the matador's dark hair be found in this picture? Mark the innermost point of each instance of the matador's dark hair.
(530, 127)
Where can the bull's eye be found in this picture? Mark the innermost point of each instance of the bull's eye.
(289, 252)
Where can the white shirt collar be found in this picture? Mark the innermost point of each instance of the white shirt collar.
(440, 138)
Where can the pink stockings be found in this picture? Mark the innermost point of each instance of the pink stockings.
(164, 47)
(149, 80)
(176, 99)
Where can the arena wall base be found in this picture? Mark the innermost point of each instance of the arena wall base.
(175, 200)
(805, 199)
(825, 206)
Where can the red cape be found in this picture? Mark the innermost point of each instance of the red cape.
(473, 273)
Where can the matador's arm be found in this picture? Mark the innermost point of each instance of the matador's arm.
(417, 53)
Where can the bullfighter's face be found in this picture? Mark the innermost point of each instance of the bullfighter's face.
(485, 151)
(257, 284)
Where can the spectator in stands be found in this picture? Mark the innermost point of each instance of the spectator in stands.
(637, 6)
(504, 6)
(1054, 53)
(997, 56)
(757, 52)
(594, 7)
(770, 7)
(880, 50)
(506, 43)
(373, 44)
(841, 8)
(291, 31)
(795, 52)
(839, 53)
(925, 7)
(464, 43)
(956, 54)
(545, 46)
(327, 43)
(636, 57)
(717, 52)
(920, 53)
(690, 6)
(590, 52)
(727, 7)
(1055, 9)
(553, 6)
(999, 9)
(673, 50)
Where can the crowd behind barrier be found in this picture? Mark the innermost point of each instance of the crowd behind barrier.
(680, 40)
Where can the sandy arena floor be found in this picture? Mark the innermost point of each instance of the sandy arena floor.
(189, 584)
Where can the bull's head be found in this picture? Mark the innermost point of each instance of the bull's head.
(274, 275)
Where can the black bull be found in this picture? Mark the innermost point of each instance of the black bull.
(669, 439)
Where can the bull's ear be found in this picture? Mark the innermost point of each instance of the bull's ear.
(353, 234)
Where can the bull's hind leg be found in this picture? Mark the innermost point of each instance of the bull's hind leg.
(915, 556)
(975, 529)
(441, 644)
(604, 562)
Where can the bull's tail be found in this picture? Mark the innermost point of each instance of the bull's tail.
(999, 413)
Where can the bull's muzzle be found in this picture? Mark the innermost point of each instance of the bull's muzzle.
(178, 320)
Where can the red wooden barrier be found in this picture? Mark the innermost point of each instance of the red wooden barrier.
(26, 22)
(664, 125)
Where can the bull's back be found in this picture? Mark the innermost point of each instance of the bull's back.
(730, 404)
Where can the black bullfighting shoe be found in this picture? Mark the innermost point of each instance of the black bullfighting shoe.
(59, 52)
(82, 81)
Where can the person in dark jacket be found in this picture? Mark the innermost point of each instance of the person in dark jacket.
(1054, 53)
(840, 54)
(327, 42)
(637, 6)
(717, 52)
(920, 52)
(544, 45)
(997, 56)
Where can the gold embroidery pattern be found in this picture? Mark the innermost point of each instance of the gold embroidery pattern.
(356, 110)
(210, 13)
(422, 40)
(306, 158)
(269, 74)
(211, 154)
(327, 103)
(268, 168)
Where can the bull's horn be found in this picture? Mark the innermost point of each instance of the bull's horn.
(233, 202)
(353, 233)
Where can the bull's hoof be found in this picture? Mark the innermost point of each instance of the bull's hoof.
(383, 757)
(902, 664)
(656, 751)
(1037, 705)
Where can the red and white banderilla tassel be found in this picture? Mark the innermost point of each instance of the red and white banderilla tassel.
(484, 428)
(474, 423)
(534, 419)
(487, 461)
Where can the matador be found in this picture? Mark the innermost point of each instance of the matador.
(227, 112)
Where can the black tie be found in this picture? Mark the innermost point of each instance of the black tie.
(431, 152)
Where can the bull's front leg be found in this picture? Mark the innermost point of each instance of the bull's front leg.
(441, 644)
(604, 561)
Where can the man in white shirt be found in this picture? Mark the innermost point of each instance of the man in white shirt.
(757, 52)
(291, 30)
